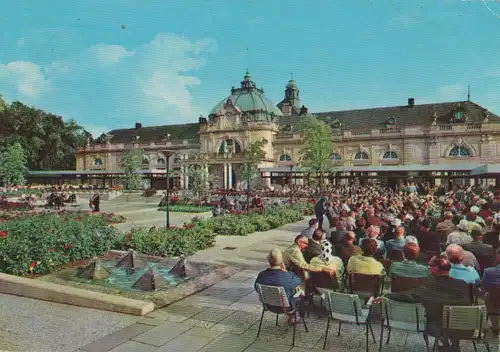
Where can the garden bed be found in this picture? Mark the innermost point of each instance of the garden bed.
(186, 208)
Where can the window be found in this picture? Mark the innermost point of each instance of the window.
(98, 162)
(459, 151)
(361, 156)
(335, 157)
(459, 115)
(145, 161)
(285, 157)
(177, 159)
(390, 155)
(229, 146)
(160, 161)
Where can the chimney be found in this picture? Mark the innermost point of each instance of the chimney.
(138, 125)
(411, 102)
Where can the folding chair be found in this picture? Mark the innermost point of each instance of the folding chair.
(347, 308)
(401, 316)
(464, 323)
(275, 300)
(402, 283)
(365, 285)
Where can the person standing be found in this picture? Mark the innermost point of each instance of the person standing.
(96, 201)
(320, 210)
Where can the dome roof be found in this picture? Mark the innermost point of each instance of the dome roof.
(251, 100)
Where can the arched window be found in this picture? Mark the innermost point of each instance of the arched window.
(98, 162)
(459, 151)
(390, 155)
(335, 157)
(229, 146)
(285, 157)
(361, 156)
(160, 161)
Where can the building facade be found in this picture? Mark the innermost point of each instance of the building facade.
(442, 139)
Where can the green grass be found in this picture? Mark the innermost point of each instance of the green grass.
(186, 208)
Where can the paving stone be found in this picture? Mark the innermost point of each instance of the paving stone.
(151, 321)
(186, 343)
(181, 308)
(265, 346)
(160, 335)
(164, 316)
(202, 332)
(117, 338)
(132, 346)
(198, 323)
(229, 342)
(213, 314)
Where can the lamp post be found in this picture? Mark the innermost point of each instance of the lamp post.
(168, 154)
(248, 188)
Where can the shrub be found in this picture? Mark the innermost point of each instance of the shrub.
(40, 244)
(169, 242)
(185, 208)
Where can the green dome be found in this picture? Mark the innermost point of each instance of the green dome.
(251, 100)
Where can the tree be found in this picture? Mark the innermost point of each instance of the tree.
(48, 141)
(13, 165)
(317, 146)
(251, 158)
(131, 163)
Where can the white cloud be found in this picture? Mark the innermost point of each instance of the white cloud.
(26, 77)
(165, 61)
(110, 54)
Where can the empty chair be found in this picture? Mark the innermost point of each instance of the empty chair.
(347, 308)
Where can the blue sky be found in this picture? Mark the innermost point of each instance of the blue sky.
(176, 59)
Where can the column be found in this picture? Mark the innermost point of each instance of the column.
(205, 167)
(225, 176)
(181, 178)
(230, 176)
(186, 180)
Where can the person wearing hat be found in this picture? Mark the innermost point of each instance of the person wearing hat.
(461, 236)
(327, 259)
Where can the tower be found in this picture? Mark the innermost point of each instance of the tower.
(290, 105)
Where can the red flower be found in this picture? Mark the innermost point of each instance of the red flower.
(67, 247)
(51, 250)
(33, 264)
(3, 234)
(78, 218)
(188, 226)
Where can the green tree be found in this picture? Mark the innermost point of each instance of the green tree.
(251, 158)
(48, 141)
(317, 146)
(13, 165)
(131, 163)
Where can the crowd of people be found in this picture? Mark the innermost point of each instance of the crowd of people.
(450, 242)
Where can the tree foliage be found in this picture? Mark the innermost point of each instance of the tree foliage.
(13, 165)
(251, 158)
(48, 141)
(317, 145)
(131, 163)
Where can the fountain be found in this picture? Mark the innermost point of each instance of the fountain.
(151, 281)
(130, 261)
(95, 270)
(181, 269)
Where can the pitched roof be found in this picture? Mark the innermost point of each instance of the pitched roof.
(417, 115)
(155, 133)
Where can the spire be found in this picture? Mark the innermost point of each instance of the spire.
(247, 82)
(468, 94)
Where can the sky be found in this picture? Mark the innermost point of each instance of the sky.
(109, 64)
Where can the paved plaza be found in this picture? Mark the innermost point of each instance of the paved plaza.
(221, 318)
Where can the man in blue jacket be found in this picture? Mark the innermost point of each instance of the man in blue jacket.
(277, 275)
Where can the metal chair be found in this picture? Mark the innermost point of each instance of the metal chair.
(346, 308)
(401, 316)
(275, 300)
(402, 283)
(464, 323)
(365, 285)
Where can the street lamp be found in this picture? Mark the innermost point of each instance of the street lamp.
(168, 154)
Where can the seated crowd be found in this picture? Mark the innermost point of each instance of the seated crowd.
(451, 245)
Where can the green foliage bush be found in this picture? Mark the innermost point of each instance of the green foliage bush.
(40, 244)
(186, 208)
(169, 242)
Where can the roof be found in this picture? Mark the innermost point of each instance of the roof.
(155, 133)
(488, 169)
(417, 115)
(389, 168)
(249, 98)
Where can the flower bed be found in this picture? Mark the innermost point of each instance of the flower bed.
(39, 244)
(12, 205)
(186, 208)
